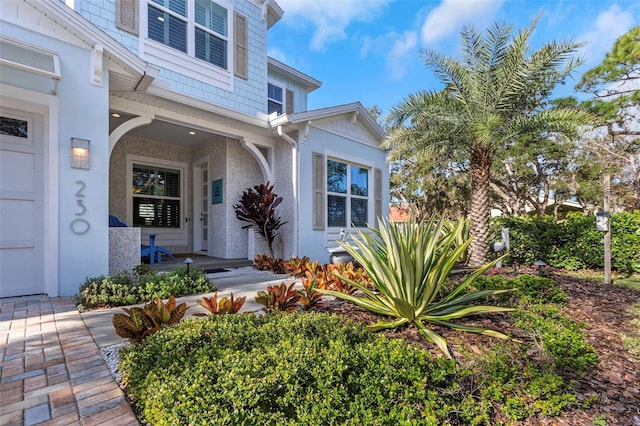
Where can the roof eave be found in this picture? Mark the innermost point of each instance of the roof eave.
(90, 34)
(318, 114)
(309, 83)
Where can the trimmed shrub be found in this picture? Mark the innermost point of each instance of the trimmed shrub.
(312, 368)
(304, 368)
(574, 243)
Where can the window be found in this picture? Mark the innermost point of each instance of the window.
(347, 194)
(198, 28)
(13, 127)
(156, 195)
(275, 95)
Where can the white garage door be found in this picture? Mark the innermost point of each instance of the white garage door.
(21, 203)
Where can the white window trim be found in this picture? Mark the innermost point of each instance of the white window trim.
(284, 96)
(186, 63)
(156, 162)
(350, 161)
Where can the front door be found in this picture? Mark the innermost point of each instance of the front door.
(21, 203)
(201, 208)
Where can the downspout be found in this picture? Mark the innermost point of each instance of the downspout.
(295, 161)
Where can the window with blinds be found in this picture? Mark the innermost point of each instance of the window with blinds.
(156, 195)
(169, 22)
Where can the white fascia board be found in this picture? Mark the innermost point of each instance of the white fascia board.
(89, 33)
(322, 113)
(209, 107)
(285, 70)
(274, 12)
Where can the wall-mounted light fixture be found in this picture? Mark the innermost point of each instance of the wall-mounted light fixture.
(80, 153)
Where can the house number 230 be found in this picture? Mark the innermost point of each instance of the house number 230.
(80, 225)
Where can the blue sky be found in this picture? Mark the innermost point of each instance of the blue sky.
(369, 50)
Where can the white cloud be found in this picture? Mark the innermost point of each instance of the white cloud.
(330, 18)
(400, 54)
(451, 15)
(608, 26)
(278, 55)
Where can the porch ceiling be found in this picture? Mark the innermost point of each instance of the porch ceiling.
(162, 131)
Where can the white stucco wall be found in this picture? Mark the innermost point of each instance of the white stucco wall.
(82, 246)
(313, 243)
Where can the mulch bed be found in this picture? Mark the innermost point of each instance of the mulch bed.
(604, 308)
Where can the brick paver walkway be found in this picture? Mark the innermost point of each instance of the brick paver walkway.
(51, 370)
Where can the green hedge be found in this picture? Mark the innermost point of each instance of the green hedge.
(142, 285)
(313, 368)
(573, 243)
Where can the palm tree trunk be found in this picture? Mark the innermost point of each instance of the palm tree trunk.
(480, 170)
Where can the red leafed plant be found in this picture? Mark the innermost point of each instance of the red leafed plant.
(224, 306)
(279, 298)
(258, 207)
(138, 323)
(309, 296)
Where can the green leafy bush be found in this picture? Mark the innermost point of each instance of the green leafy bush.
(526, 288)
(292, 369)
(317, 369)
(561, 338)
(143, 285)
(519, 388)
(573, 243)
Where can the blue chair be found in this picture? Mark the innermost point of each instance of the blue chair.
(152, 250)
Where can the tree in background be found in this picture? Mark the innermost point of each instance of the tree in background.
(615, 86)
(426, 185)
(493, 96)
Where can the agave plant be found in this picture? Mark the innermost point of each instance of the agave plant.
(409, 265)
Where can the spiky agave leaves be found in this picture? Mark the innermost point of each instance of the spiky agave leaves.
(409, 264)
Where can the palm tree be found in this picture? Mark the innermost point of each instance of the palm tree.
(496, 93)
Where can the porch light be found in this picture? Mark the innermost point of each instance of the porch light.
(80, 154)
(192, 132)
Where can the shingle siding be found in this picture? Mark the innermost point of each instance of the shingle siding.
(248, 96)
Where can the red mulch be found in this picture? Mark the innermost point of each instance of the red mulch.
(604, 308)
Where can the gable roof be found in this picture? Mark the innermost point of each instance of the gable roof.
(308, 82)
(359, 113)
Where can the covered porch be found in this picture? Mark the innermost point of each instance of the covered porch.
(204, 263)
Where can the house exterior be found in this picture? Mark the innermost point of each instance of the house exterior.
(162, 113)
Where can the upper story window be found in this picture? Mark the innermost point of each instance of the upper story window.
(205, 40)
(275, 96)
(198, 28)
(347, 194)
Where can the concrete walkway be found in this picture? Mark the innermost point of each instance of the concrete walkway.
(51, 370)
